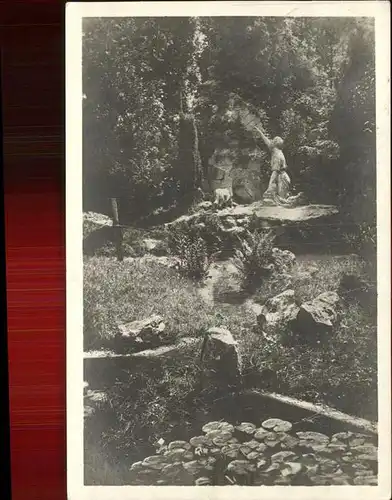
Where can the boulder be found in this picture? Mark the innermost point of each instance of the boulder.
(221, 360)
(142, 334)
(278, 311)
(97, 232)
(317, 317)
(93, 221)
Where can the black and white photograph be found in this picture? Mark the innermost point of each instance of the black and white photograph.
(228, 314)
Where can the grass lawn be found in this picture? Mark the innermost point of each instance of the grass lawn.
(116, 292)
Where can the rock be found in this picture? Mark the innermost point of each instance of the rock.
(284, 260)
(149, 332)
(204, 205)
(268, 214)
(221, 361)
(278, 311)
(93, 221)
(155, 247)
(317, 317)
(97, 232)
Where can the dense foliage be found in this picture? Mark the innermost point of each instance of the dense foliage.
(159, 95)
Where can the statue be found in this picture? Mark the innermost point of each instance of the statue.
(278, 191)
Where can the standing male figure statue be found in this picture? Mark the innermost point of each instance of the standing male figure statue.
(278, 191)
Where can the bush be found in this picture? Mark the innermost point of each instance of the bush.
(254, 258)
(191, 251)
(195, 244)
(363, 239)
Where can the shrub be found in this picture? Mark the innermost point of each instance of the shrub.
(195, 244)
(191, 251)
(254, 258)
(363, 239)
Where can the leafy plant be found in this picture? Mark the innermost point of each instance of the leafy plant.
(254, 257)
(191, 250)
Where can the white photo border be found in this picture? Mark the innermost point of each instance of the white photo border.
(75, 12)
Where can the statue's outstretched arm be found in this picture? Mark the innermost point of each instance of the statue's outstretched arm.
(264, 137)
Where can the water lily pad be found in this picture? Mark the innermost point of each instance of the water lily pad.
(320, 480)
(342, 436)
(281, 456)
(156, 462)
(200, 441)
(148, 475)
(193, 467)
(335, 448)
(366, 481)
(359, 440)
(245, 450)
(261, 433)
(218, 426)
(223, 439)
(231, 450)
(363, 473)
(175, 454)
(271, 439)
(328, 466)
(210, 464)
(287, 441)
(246, 428)
(368, 457)
(137, 466)
(203, 481)
(291, 468)
(213, 434)
(341, 480)
(277, 425)
(241, 467)
(188, 455)
(272, 468)
(314, 440)
(261, 463)
(172, 470)
(366, 448)
(179, 444)
(282, 481)
(253, 455)
(253, 444)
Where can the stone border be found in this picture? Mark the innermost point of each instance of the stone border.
(322, 410)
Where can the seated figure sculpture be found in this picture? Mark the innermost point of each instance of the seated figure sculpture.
(278, 191)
